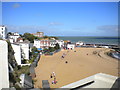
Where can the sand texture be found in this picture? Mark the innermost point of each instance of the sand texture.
(81, 64)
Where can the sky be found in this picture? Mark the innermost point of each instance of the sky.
(62, 18)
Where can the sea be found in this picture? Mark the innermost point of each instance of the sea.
(92, 40)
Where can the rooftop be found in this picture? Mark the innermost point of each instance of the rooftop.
(99, 80)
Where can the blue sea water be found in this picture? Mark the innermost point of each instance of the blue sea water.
(94, 40)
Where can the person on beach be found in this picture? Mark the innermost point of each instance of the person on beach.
(53, 73)
(51, 76)
(66, 61)
(62, 56)
(55, 80)
(52, 82)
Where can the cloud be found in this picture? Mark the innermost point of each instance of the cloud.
(23, 29)
(108, 27)
(16, 5)
(55, 23)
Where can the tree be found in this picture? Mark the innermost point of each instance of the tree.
(54, 37)
(29, 37)
(45, 37)
(34, 49)
(51, 49)
(9, 33)
(57, 46)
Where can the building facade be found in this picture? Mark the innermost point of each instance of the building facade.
(3, 32)
(25, 47)
(4, 72)
(47, 43)
(70, 46)
(14, 36)
(61, 43)
(17, 55)
(38, 34)
(22, 50)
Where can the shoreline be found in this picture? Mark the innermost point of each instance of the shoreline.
(79, 66)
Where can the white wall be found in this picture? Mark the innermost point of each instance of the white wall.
(52, 43)
(3, 32)
(4, 72)
(36, 43)
(60, 42)
(17, 54)
(25, 50)
(70, 46)
(79, 43)
(14, 37)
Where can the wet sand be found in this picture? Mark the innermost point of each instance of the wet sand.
(79, 66)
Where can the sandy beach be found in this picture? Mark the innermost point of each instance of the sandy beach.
(81, 64)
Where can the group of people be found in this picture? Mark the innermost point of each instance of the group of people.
(54, 78)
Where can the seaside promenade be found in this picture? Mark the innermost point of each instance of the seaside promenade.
(81, 63)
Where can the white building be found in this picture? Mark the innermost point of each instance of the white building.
(4, 72)
(3, 32)
(17, 54)
(25, 47)
(14, 36)
(36, 43)
(42, 43)
(53, 43)
(21, 50)
(79, 43)
(70, 46)
(60, 42)
(38, 34)
(47, 43)
(11, 40)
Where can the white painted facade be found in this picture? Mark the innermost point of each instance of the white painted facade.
(25, 50)
(60, 42)
(11, 40)
(4, 72)
(44, 43)
(52, 43)
(47, 43)
(79, 43)
(36, 43)
(70, 46)
(14, 36)
(17, 55)
(41, 43)
(3, 32)
(21, 50)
